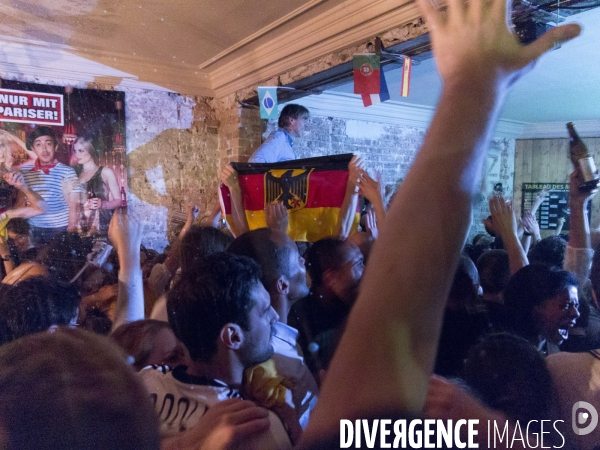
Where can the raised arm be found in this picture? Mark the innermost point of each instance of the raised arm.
(579, 254)
(387, 352)
(348, 208)
(371, 190)
(229, 177)
(505, 224)
(37, 205)
(125, 235)
(172, 261)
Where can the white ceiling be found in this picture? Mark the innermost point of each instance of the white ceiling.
(564, 85)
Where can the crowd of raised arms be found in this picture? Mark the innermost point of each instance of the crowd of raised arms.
(258, 342)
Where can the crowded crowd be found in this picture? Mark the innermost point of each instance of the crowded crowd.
(239, 338)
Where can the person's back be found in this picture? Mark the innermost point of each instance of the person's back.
(576, 378)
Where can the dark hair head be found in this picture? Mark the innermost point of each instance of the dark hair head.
(39, 132)
(508, 374)
(463, 286)
(291, 111)
(494, 271)
(261, 245)
(199, 242)
(323, 255)
(549, 251)
(137, 339)
(216, 292)
(34, 305)
(19, 226)
(529, 287)
(72, 389)
(65, 255)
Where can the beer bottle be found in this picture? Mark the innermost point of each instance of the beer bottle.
(582, 160)
(123, 198)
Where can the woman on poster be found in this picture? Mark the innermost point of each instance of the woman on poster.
(100, 184)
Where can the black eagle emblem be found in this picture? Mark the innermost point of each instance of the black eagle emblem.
(289, 186)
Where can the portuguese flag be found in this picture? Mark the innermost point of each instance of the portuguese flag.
(311, 189)
(366, 68)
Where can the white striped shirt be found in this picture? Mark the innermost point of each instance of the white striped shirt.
(50, 188)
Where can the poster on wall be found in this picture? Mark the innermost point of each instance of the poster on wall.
(87, 130)
(554, 209)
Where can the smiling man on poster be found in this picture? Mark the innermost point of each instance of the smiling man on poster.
(51, 180)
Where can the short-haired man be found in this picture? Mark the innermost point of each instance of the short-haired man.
(279, 146)
(284, 277)
(223, 315)
(48, 178)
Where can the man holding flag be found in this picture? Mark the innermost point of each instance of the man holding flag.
(279, 146)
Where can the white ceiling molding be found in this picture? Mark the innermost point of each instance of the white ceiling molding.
(546, 130)
(31, 58)
(272, 51)
(260, 33)
(335, 29)
(349, 106)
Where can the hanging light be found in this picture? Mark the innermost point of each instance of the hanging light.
(119, 144)
(119, 141)
(69, 136)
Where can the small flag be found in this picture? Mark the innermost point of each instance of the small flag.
(267, 97)
(366, 73)
(371, 99)
(406, 67)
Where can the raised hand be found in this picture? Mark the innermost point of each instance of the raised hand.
(277, 216)
(16, 179)
(356, 168)
(125, 235)
(503, 217)
(192, 212)
(371, 224)
(229, 177)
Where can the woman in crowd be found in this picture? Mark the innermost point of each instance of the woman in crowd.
(100, 184)
(542, 305)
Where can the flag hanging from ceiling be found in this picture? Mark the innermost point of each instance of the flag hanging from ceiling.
(382, 96)
(267, 97)
(366, 73)
(311, 189)
(406, 68)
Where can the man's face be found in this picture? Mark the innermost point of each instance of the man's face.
(349, 274)
(558, 315)
(258, 339)
(297, 126)
(44, 148)
(21, 241)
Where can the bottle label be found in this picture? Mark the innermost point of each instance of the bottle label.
(588, 169)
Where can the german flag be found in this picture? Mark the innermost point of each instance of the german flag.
(312, 190)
